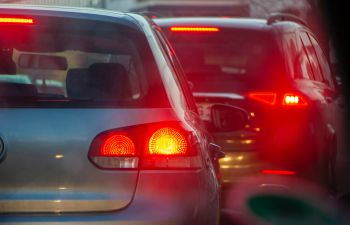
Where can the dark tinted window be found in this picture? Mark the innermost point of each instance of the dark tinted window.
(323, 63)
(78, 64)
(302, 64)
(228, 58)
(290, 52)
(316, 69)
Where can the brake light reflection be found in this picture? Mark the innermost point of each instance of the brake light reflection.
(278, 172)
(14, 20)
(194, 29)
(264, 97)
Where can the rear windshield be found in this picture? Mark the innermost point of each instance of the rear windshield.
(226, 58)
(77, 63)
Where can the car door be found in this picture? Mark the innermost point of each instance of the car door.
(333, 97)
(323, 102)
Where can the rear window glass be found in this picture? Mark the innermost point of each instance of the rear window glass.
(76, 63)
(240, 56)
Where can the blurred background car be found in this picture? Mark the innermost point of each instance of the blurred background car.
(275, 70)
(73, 146)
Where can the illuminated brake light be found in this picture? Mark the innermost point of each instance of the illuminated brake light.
(16, 20)
(118, 145)
(264, 97)
(168, 148)
(147, 146)
(194, 29)
(293, 100)
(278, 172)
(114, 150)
(167, 141)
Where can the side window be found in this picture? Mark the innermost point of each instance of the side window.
(316, 69)
(302, 65)
(323, 63)
(291, 53)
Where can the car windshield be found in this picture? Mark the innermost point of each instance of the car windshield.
(78, 64)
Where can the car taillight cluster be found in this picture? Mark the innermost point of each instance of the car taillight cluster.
(148, 146)
(271, 98)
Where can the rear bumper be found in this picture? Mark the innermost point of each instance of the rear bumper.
(167, 197)
(284, 147)
(237, 165)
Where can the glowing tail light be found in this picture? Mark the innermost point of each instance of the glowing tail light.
(293, 100)
(194, 29)
(16, 20)
(264, 97)
(168, 147)
(278, 172)
(114, 150)
(118, 145)
(167, 141)
(145, 147)
(270, 98)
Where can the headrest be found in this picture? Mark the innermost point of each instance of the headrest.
(101, 81)
(16, 89)
(110, 81)
(77, 84)
(7, 67)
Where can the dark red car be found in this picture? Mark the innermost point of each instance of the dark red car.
(276, 71)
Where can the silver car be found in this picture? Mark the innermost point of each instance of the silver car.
(98, 125)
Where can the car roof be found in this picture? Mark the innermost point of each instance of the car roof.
(190, 3)
(69, 12)
(243, 23)
(205, 2)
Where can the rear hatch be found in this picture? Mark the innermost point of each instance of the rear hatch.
(46, 166)
(225, 65)
(63, 81)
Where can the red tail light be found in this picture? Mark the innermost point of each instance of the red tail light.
(264, 97)
(270, 98)
(146, 147)
(278, 172)
(167, 141)
(113, 150)
(118, 145)
(194, 29)
(16, 20)
(293, 100)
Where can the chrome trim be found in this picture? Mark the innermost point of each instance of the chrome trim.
(218, 95)
(57, 206)
(2, 151)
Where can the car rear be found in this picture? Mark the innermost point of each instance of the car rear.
(241, 62)
(88, 130)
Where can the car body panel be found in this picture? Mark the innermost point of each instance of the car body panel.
(58, 140)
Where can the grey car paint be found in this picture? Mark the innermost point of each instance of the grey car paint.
(47, 177)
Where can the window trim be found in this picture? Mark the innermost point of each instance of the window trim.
(176, 66)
